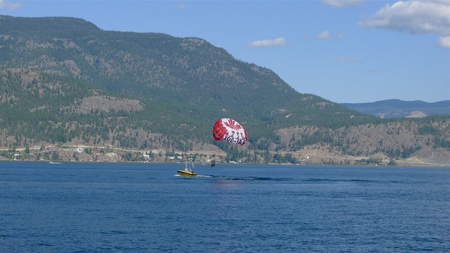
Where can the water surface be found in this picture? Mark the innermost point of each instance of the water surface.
(104, 207)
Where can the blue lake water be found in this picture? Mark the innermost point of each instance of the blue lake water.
(116, 207)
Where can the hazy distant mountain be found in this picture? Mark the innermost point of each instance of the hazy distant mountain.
(395, 108)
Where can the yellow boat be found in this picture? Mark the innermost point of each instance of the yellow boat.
(187, 172)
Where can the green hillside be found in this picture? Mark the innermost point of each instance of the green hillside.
(65, 81)
(187, 81)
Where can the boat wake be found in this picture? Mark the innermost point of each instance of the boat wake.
(250, 178)
(327, 180)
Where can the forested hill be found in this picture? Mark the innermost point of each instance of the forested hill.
(65, 81)
(182, 80)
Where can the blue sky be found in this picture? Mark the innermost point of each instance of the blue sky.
(345, 51)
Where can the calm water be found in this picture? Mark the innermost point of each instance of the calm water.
(94, 207)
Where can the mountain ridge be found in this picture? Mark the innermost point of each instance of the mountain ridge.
(68, 83)
(396, 108)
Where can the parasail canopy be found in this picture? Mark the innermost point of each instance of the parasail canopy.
(229, 130)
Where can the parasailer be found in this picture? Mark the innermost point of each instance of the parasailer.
(229, 130)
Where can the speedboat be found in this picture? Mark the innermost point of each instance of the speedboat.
(187, 173)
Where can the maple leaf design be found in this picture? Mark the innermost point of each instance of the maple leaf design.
(233, 124)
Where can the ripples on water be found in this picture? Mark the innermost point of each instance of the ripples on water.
(90, 207)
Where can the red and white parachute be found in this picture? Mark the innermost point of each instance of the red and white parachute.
(229, 130)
